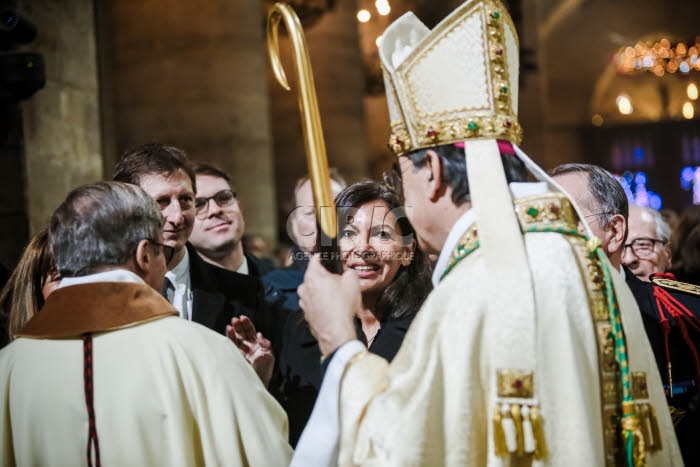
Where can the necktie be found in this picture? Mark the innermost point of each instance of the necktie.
(177, 300)
(168, 290)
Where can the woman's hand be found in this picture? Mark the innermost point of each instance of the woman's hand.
(255, 348)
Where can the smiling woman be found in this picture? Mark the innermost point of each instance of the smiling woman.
(378, 243)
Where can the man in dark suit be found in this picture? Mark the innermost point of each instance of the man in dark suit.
(201, 292)
(670, 309)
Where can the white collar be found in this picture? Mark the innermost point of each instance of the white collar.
(180, 274)
(244, 269)
(620, 272)
(114, 275)
(518, 189)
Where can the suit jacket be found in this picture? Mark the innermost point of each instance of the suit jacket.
(685, 402)
(219, 294)
(298, 373)
(258, 267)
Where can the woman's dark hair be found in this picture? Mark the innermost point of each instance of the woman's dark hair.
(685, 247)
(411, 285)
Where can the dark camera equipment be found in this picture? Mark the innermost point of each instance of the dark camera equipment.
(21, 73)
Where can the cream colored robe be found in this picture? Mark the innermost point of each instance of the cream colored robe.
(166, 392)
(433, 405)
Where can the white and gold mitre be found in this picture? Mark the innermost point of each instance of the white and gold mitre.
(459, 84)
(456, 82)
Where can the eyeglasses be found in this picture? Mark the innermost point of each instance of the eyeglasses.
(221, 198)
(167, 250)
(643, 247)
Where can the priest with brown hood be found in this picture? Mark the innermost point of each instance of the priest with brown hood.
(107, 372)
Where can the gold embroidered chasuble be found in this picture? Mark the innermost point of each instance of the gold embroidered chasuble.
(433, 404)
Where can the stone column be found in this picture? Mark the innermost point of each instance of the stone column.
(60, 122)
(192, 74)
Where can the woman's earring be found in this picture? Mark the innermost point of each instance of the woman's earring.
(406, 261)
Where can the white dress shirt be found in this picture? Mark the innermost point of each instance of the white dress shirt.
(179, 276)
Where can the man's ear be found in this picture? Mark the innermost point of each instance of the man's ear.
(434, 166)
(143, 260)
(615, 231)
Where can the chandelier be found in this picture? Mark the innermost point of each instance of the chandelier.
(659, 58)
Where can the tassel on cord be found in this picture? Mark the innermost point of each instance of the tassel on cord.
(518, 422)
(655, 432)
(509, 429)
(649, 427)
(538, 432)
(518, 430)
(645, 424)
(634, 440)
(528, 436)
(499, 438)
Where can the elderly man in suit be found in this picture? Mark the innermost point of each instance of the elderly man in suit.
(670, 309)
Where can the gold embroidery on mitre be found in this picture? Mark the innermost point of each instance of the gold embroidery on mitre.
(515, 383)
(497, 118)
(400, 141)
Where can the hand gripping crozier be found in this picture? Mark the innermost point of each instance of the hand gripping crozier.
(531, 349)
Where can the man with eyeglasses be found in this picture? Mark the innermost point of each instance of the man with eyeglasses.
(647, 250)
(201, 292)
(219, 224)
(670, 309)
(107, 373)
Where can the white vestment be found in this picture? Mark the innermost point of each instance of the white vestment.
(166, 391)
(434, 404)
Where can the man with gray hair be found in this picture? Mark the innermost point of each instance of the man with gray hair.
(647, 250)
(602, 202)
(149, 388)
(669, 309)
